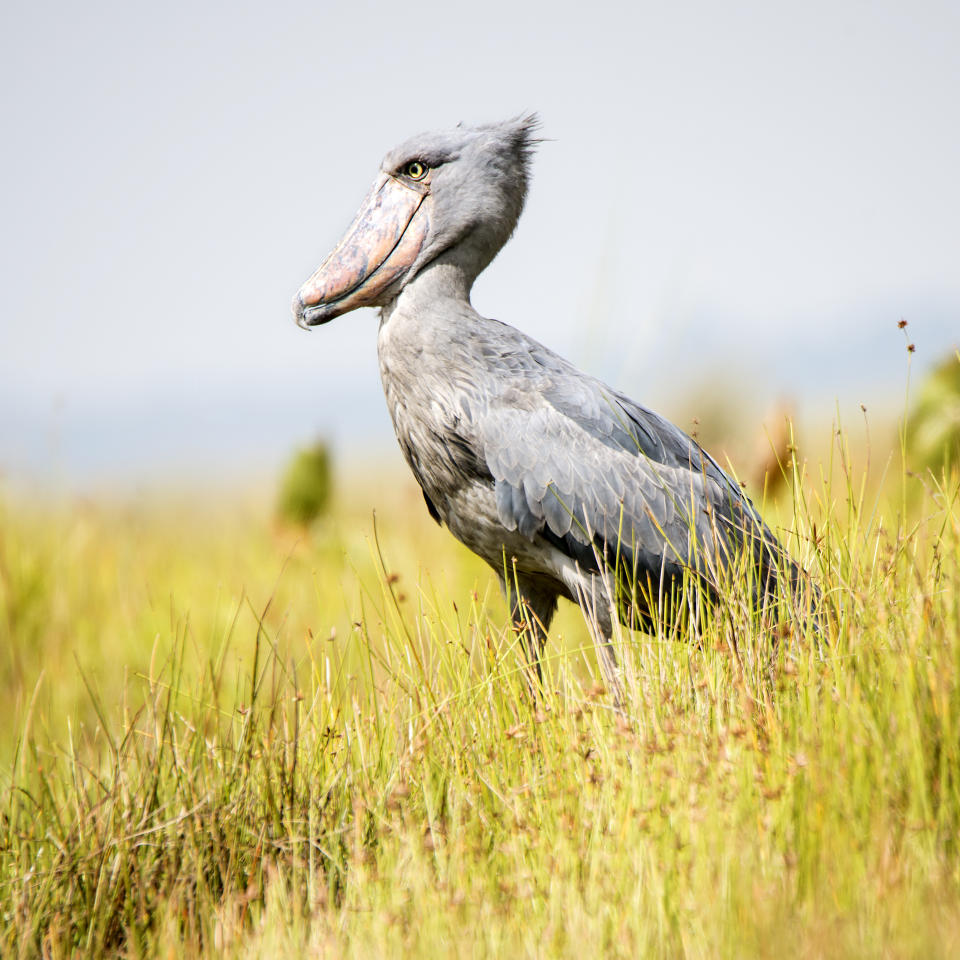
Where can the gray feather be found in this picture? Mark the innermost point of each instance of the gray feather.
(519, 453)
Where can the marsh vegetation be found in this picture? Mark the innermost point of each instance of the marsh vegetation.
(222, 737)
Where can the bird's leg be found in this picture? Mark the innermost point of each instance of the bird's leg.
(532, 607)
(594, 599)
(532, 635)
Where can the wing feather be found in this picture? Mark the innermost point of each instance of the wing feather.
(585, 466)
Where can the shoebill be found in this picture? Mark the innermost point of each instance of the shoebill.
(565, 486)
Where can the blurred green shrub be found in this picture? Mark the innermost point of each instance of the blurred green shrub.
(933, 429)
(305, 486)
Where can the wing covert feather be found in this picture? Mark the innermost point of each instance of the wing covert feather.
(585, 466)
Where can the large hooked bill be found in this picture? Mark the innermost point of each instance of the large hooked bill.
(381, 244)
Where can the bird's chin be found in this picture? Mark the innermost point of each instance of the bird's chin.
(369, 264)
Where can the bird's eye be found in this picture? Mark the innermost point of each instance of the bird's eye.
(415, 170)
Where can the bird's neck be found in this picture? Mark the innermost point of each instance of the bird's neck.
(439, 282)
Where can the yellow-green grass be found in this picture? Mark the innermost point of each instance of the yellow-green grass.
(221, 738)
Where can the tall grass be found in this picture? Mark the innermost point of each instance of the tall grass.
(223, 742)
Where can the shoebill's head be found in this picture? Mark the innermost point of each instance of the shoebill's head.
(457, 194)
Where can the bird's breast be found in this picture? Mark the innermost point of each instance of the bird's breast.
(431, 407)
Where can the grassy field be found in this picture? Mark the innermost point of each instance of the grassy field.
(223, 739)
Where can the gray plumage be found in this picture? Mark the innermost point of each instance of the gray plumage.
(552, 477)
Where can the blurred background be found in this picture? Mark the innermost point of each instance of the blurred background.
(737, 205)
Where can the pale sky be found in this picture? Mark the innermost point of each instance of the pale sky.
(751, 192)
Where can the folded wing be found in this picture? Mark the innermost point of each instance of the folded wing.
(595, 473)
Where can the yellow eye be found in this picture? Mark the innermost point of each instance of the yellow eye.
(415, 170)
